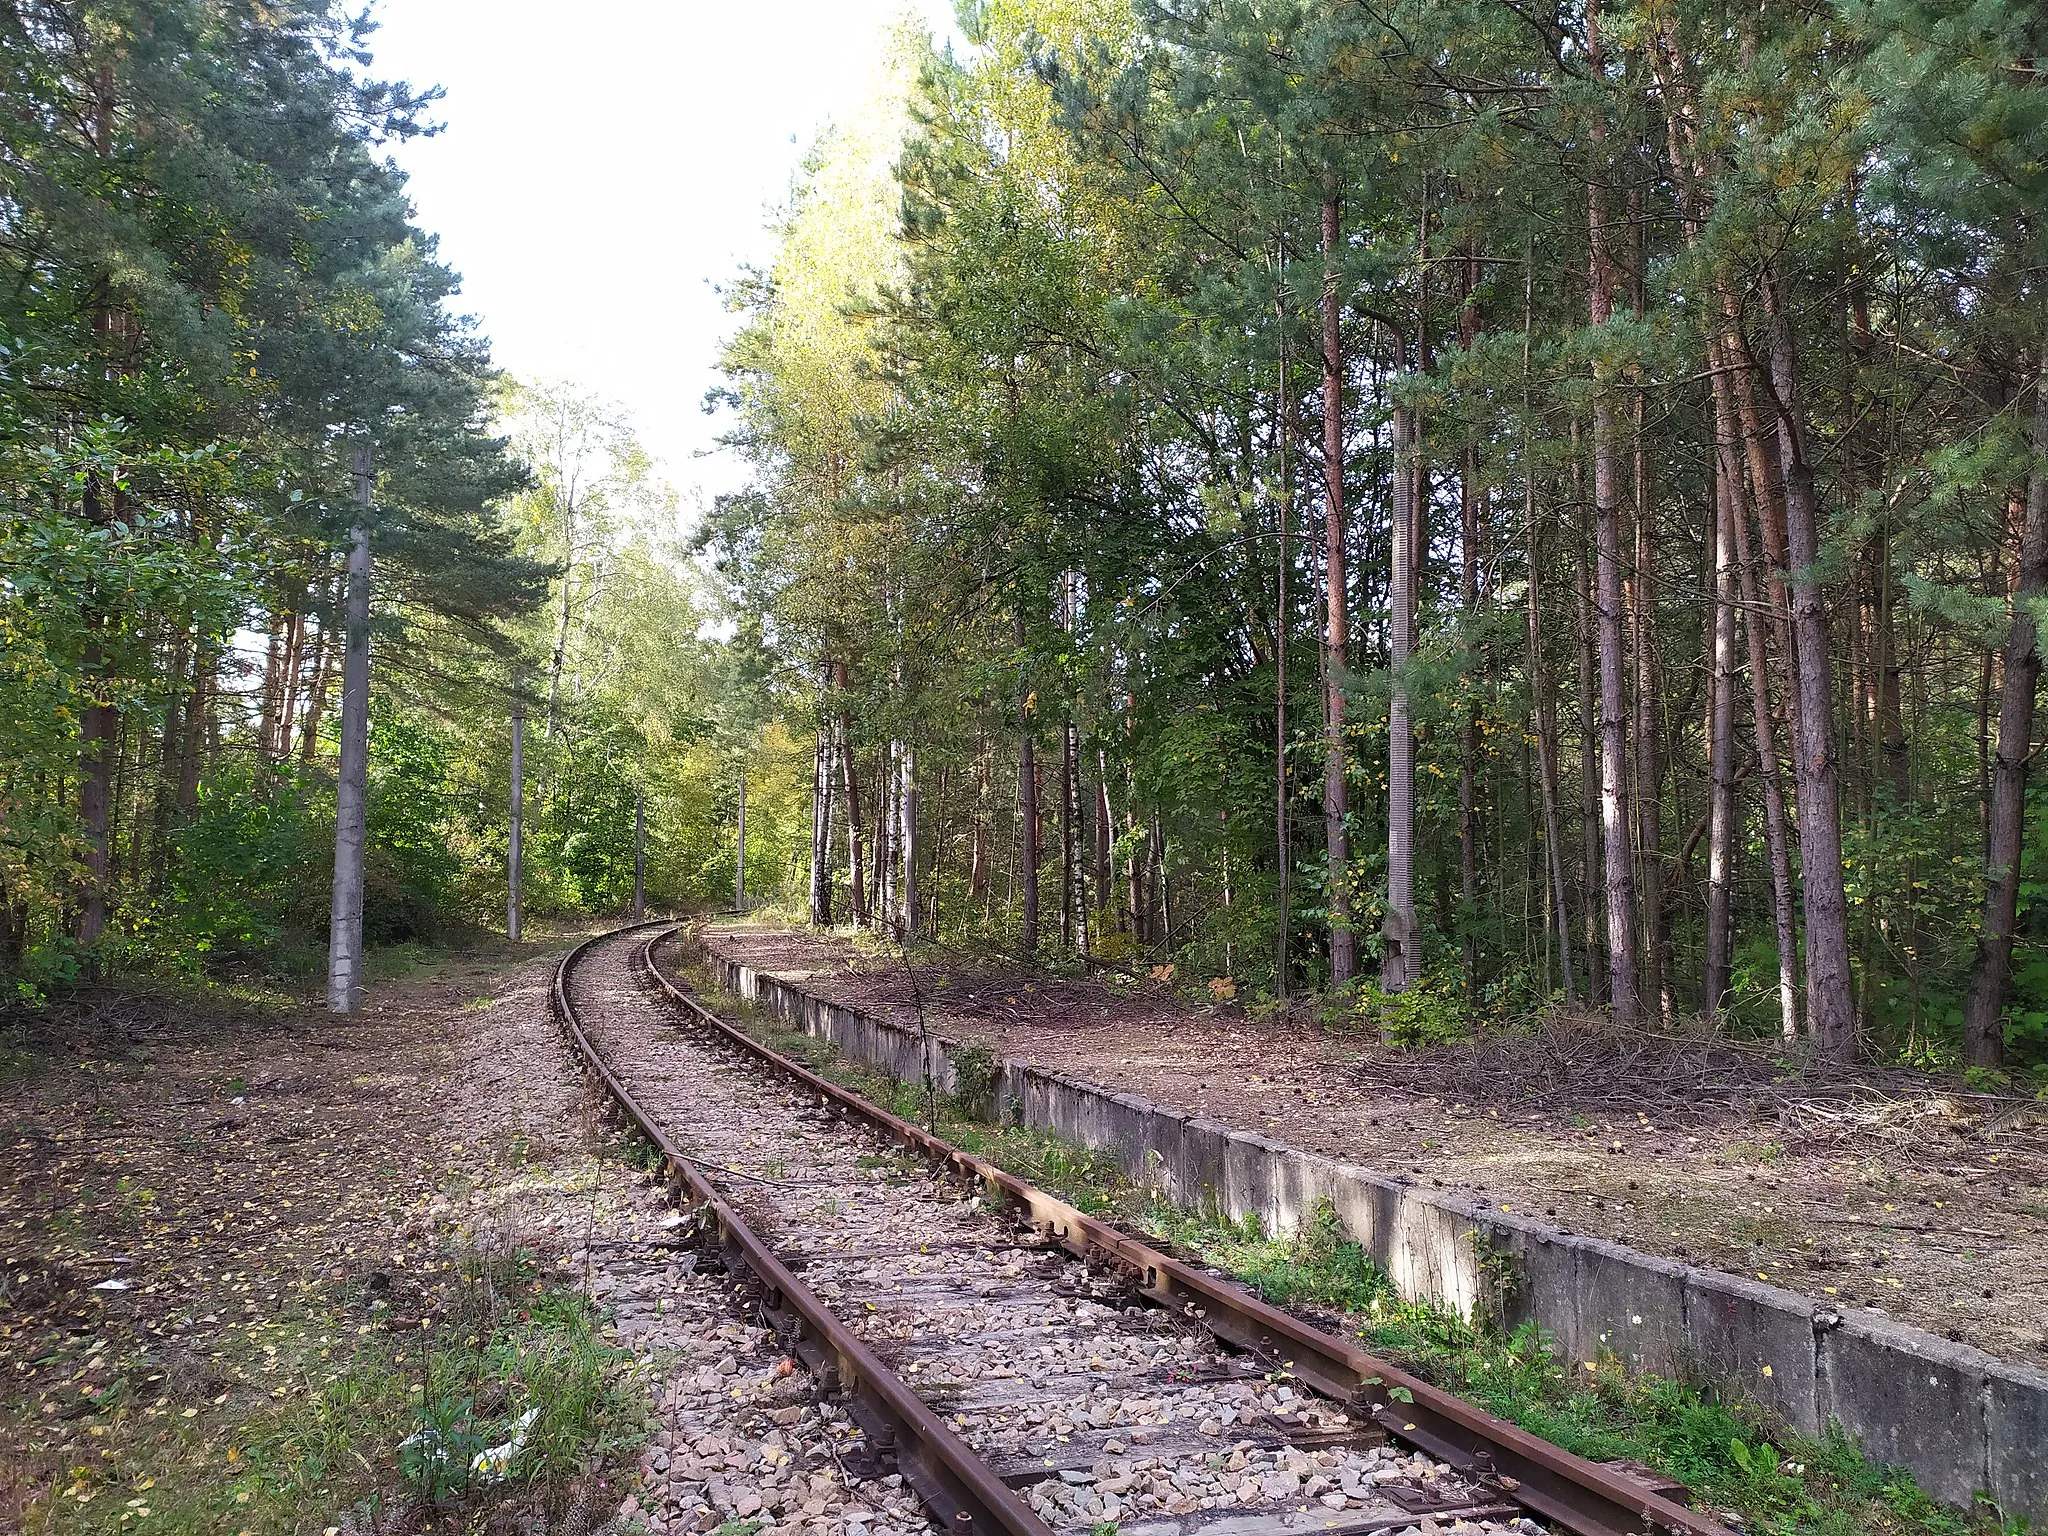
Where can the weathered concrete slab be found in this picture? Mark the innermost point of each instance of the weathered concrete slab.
(1367, 1203)
(1250, 1175)
(1911, 1400)
(1200, 1175)
(1757, 1340)
(2016, 1435)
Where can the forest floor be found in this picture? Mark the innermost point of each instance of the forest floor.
(1879, 1188)
(246, 1246)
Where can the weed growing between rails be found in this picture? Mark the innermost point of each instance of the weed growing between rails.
(1766, 1479)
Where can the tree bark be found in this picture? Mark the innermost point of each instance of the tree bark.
(1336, 636)
(515, 839)
(911, 920)
(821, 830)
(316, 694)
(351, 791)
(1468, 732)
(739, 840)
(979, 853)
(1027, 791)
(1104, 823)
(1721, 748)
(198, 713)
(98, 745)
(1754, 627)
(1830, 1010)
(1984, 1011)
(1614, 809)
(1401, 954)
(640, 852)
(1073, 935)
(888, 853)
(182, 673)
(849, 782)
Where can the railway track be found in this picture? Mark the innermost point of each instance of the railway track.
(1022, 1366)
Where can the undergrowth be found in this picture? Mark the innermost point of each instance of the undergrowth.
(398, 1420)
(1765, 1478)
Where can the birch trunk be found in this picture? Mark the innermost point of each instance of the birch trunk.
(351, 790)
(978, 848)
(1614, 808)
(849, 783)
(912, 920)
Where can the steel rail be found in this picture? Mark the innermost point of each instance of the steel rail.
(1581, 1495)
(961, 1489)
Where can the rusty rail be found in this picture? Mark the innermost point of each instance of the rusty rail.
(962, 1491)
(1578, 1494)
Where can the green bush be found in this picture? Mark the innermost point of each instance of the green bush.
(1431, 1012)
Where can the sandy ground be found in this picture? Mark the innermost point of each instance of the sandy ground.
(1883, 1190)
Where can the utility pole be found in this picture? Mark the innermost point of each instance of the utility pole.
(739, 877)
(515, 850)
(345, 927)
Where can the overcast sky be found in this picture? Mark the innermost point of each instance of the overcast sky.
(605, 163)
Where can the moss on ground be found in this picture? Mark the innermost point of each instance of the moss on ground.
(1758, 1475)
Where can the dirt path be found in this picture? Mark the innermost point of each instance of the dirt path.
(1884, 1191)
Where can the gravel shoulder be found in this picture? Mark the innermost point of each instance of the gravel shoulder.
(1890, 1191)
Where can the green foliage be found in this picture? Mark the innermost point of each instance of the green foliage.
(1317, 1266)
(1028, 464)
(1432, 1012)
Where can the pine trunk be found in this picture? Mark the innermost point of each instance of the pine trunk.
(1721, 832)
(1336, 635)
(1755, 628)
(1027, 794)
(1983, 1013)
(1401, 957)
(515, 839)
(1830, 1010)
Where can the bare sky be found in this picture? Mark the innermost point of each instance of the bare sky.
(606, 162)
